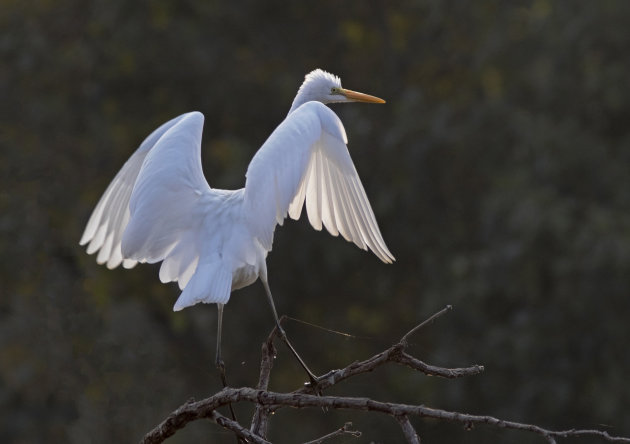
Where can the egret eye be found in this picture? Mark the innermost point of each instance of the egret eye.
(334, 90)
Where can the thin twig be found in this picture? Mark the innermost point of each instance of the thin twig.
(432, 319)
(345, 430)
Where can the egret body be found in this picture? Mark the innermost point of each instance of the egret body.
(159, 207)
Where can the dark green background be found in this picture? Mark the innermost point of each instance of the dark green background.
(498, 171)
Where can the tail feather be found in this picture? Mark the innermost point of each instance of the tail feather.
(211, 283)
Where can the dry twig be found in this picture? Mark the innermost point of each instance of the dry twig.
(345, 430)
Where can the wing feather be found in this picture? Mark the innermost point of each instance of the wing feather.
(305, 162)
(328, 215)
(296, 205)
(341, 214)
(109, 219)
(147, 213)
(159, 207)
(313, 192)
(166, 206)
(357, 236)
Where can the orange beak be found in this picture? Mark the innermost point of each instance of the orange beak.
(360, 97)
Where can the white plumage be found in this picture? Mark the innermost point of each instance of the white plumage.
(159, 207)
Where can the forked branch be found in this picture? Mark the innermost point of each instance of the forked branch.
(266, 401)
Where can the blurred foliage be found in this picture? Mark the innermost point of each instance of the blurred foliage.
(498, 171)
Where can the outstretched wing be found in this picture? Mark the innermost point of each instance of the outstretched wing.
(166, 205)
(155, 208)
(306, 160)
(147, 213)
(104, 230)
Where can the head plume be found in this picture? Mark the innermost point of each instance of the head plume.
(317, 86)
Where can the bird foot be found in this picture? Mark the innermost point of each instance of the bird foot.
(316, 380)
(221, 367)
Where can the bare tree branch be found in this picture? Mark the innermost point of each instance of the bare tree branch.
(238, 429)
(395, 354)
(432, 370)
(261, 412)
(204, 408)
(408, 430)
(266, 401)
(345, 430)
(173, 422)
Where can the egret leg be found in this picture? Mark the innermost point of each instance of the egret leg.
(219, 360)
(283, 335)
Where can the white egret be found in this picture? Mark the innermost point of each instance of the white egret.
(159, 206)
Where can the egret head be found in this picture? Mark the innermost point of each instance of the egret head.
(324, 87)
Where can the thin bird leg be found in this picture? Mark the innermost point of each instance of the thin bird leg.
(219, 361)
(284, 337)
